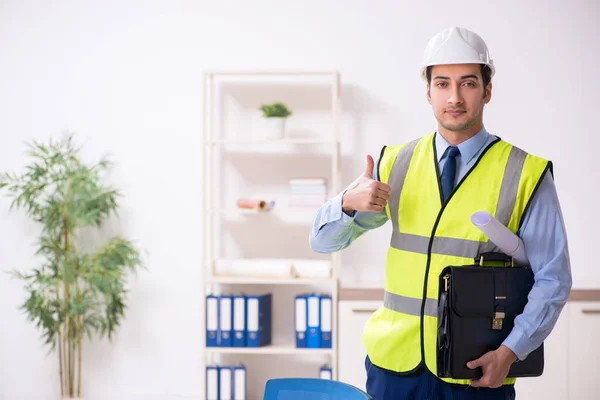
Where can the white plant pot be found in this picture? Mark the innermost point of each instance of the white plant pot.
(274, 127)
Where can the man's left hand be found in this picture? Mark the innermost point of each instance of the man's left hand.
(495, 365)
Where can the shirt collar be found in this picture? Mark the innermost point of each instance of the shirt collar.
(468, 149)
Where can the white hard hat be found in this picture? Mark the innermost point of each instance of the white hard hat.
(456, 46)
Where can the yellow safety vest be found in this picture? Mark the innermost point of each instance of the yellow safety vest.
(428, 236)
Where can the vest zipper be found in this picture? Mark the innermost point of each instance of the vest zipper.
(425, 284)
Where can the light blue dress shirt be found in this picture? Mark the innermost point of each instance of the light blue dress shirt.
(543, 234)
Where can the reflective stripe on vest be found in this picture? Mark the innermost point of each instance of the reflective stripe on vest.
(451, 246)
(409, 305)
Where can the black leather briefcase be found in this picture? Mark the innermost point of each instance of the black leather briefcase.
(477, 307)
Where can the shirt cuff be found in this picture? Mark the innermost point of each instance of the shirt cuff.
(519, 343)
(336, 212)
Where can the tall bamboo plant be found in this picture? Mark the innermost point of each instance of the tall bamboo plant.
(73, 293)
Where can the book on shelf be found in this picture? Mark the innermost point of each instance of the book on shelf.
(238, 320)
(313, 320)
(226, 382)
(307, 192)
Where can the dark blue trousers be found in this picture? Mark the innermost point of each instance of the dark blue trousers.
(423, 385)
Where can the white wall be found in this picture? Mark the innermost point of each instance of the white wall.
(127, 77)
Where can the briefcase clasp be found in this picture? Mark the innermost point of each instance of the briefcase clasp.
(497, 321)
(446, 279)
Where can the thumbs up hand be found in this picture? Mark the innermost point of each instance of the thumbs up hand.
(367, 194)
(370, 166)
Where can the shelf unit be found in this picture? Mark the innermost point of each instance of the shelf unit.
(212, 214)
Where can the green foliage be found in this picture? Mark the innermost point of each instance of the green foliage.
(275, 110)
(72, 293)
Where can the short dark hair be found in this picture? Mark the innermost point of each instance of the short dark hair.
(486, 75)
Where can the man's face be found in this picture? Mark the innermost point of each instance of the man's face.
(457, 96)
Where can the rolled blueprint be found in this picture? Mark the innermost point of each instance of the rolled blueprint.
(261, 205)
(500, 235)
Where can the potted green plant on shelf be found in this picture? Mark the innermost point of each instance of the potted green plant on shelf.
(275, 116)
(75, 291)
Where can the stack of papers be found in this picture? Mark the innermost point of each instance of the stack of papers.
(310, 193)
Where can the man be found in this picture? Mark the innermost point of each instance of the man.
(428, 189)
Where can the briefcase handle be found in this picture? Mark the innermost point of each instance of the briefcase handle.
(494, 256)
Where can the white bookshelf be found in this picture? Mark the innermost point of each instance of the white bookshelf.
(213, 213)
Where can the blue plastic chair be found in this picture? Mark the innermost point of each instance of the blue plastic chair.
(311, 389)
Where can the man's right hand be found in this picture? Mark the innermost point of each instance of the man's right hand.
(367, 194)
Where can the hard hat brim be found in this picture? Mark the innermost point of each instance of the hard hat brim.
(490, 65)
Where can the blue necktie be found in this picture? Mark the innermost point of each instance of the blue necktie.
(449, 172)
